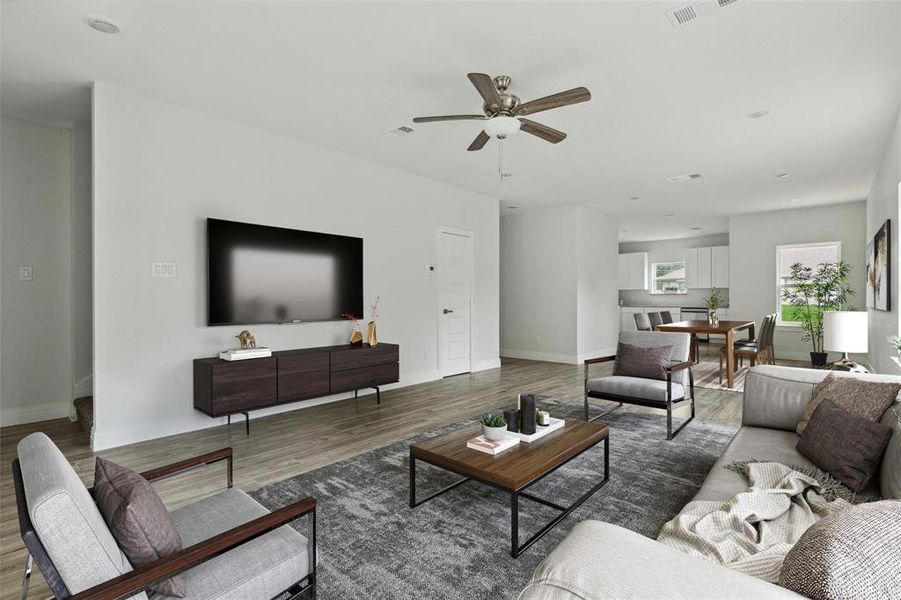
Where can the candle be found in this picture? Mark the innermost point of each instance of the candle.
(544, 418)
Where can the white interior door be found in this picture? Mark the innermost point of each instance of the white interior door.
(455, 277)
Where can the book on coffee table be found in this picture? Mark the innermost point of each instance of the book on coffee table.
(489, 447)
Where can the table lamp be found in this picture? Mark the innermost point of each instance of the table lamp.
(845, 331)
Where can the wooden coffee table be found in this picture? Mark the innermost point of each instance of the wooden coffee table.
(513, 470)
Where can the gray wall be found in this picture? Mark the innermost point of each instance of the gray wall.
(670, 251)
(752, 260)
(36, 316)
(883, 203)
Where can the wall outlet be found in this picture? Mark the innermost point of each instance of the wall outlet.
(26, 274)
(163, 269)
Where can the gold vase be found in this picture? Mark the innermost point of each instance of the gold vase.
(373, 341)
(356, 338)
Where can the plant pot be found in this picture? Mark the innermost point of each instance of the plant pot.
(818, 359)
(494, 434)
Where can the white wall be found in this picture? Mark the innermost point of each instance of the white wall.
(35, 316)
(538, 284)
(558, 284)
(883, 203)
(82, 250)
(160, 170)
(752, 260)
(671, 251)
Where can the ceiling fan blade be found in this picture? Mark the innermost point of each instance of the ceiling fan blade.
(485, 85)
(548, 134)
(573, 96)
(449, 118)
(479, 142)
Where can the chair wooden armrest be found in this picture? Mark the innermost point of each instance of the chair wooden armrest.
(679, 366)
(141, 578)
(192, 463)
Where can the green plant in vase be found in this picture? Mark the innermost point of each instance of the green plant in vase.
(713, 303)
(494, 427)
(812, 292)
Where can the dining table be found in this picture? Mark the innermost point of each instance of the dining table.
(726, 328)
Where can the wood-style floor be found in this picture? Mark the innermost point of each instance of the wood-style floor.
(285, 445)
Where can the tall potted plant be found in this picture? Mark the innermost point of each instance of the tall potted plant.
(813, 292)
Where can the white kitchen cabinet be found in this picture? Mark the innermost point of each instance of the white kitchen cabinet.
(720, 268)
(707, 268)
(633, 271)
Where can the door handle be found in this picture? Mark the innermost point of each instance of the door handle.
(447, 311)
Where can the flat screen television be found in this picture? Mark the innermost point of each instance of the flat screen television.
(261, 274)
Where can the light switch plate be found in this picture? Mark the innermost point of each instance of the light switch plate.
(163, 269)
(25, 274)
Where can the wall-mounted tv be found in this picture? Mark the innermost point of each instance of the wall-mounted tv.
(260, 274)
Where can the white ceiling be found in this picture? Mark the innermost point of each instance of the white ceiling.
(665, 101)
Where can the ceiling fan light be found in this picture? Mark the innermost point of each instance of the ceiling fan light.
(502, 127)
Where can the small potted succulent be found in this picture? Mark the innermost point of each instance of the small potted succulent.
(494, 427)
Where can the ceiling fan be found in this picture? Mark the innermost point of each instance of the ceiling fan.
(504, 114)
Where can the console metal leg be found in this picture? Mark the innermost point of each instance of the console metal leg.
(246, 420)
(26, 579)
(378, 395)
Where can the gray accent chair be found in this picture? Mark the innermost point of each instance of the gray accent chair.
(642, 322)
(603, 561)
(233, 547)
(655, 319)
(678, 386)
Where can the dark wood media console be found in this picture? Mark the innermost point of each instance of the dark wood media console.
(223, 388)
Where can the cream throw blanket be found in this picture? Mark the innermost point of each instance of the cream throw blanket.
(754, 530)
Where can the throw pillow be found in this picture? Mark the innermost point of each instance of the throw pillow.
(849, 555)
(638, 361)
(138, 520)
(844, 445)
(867, 399)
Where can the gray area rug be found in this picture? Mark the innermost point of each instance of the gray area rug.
(372, 545)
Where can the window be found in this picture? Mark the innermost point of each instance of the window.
(668, 278)
(809, 255)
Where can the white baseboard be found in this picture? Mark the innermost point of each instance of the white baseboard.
(18, 415)
(570, 359)
(485, 365)
(597, 353)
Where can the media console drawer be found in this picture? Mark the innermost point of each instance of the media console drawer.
(355, 379)
(365, 357)
(302, 376)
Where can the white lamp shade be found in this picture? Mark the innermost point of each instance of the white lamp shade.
(502, 127)
(845, 331)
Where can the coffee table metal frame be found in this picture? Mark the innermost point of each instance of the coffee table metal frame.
(515, 548)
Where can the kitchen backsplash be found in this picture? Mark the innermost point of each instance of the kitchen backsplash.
(692, 298)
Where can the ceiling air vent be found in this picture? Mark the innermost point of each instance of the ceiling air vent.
(682, 16)
(686, 177)
(692, 11)
(399, 132)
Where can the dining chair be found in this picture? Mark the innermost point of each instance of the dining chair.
(642, 322)
(655, 319)
(758, 351)
(666, 316)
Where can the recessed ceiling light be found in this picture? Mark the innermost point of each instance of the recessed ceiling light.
(795, 200)
(758, 114)
(782, 175)
(696, 229)
(634, 197)
(512, 207)
(103, 25)
(669, 215)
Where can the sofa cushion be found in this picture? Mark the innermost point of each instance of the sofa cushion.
(137, 518)
(866, 399)
(750, 443)
(634, 387)
(647, 363)
(851, 554)
(890, 471)
(598, 560)
(844, 445)
(67, 521)
(260, 568)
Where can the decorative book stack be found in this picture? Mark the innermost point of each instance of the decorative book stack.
(245, 353)
(482, 445)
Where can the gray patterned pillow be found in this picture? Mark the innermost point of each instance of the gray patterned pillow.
(138, 520)
(867, 399)
(638, 361)
(850, 555)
